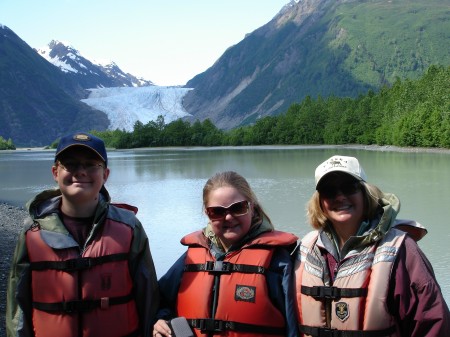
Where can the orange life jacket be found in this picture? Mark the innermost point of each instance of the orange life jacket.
(241, 299)
(88, 294)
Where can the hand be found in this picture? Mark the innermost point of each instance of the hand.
(161, 328)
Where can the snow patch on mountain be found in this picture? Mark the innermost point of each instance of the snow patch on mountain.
(126, 105)
(90, 74)
(57, 61)
(57, 52)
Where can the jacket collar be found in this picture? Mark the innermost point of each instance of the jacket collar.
(48, 202)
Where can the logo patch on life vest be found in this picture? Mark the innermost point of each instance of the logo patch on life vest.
(245, 293)
(342, 311)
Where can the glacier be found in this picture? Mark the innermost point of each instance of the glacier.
(138, 100)
(124, 106)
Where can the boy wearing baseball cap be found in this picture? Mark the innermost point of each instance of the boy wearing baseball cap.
(82, 266)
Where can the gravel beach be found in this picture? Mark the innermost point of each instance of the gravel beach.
(11, 220)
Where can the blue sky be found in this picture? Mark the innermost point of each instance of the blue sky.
(167, 42)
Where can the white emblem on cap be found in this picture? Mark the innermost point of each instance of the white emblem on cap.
(81, 137)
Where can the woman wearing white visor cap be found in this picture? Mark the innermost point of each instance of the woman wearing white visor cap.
(361, 272)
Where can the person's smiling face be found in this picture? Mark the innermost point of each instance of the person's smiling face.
(80, 175)
(342, 200)
(230, 229)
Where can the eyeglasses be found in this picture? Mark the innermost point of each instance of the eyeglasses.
(239, 208)
(72, 167)
(330, 191)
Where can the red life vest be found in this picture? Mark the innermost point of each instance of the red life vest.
(241, 299)
(356, 301)
(87, 295)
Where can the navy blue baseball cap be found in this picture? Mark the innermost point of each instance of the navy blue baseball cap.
(87, 140)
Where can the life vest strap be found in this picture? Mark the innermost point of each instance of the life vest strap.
(81, 305)
(326, 332)
(213, 325)
(320, 292)
(224, 267)
(80, 263)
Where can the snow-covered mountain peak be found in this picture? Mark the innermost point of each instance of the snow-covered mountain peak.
(104, 62)
(90, 73)
(60, 53)
(65, 44)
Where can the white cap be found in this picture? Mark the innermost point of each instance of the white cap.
(349, 165)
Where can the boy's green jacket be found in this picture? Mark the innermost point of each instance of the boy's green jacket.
(44, 212)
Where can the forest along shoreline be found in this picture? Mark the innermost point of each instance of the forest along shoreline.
(12, 218)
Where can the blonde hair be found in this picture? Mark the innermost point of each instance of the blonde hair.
(317, 218)
(235, 180)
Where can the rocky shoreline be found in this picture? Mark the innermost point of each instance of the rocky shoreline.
(11, 220)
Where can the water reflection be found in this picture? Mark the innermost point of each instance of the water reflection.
(166, 185)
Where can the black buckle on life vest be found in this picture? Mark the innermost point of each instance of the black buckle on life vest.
(319, 292)
(206, 325)
(326, 292)
(218, 267)
(211, 325)
(78, 264)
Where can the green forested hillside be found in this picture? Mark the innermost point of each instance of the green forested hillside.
(321, 48)
(390, 39)
(410, 113)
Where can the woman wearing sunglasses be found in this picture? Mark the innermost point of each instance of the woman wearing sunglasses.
(361, 273)
(236, 277)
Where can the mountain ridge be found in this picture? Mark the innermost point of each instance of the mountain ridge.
(320, 48)
(37, 102)
(315, 48)
(88, 73)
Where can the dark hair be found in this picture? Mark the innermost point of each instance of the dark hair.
(235, 180)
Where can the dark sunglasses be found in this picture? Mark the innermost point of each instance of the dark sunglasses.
(330, 191)
(236, 209)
